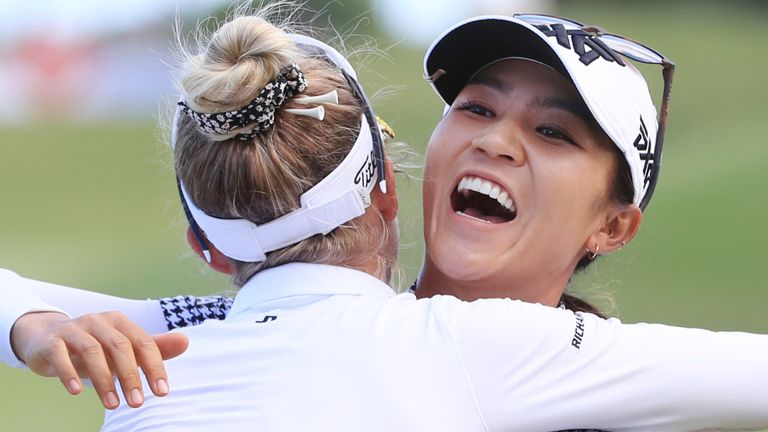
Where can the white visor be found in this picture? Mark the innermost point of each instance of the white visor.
(338, 198)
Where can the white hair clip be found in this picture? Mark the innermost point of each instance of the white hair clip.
(318, 113)
(332, 97)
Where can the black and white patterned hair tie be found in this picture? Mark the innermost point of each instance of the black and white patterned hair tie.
(260, 112)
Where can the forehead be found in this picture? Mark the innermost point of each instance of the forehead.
(522, 74)
(534, 84)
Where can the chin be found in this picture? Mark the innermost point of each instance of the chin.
(461, 265)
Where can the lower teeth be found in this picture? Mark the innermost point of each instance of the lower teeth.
(461, 213)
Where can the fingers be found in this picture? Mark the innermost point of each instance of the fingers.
(106, 346)
(116, 344)
(91, 360)
(60, 364)
(171, 344)
(151, 361)
(128, 347)
(101, 347)
(35, 342)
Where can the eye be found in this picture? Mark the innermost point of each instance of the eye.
(556, 133)
(476, 108)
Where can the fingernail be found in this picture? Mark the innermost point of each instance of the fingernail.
(73, 386)
(112, 400)
(136, 397)
(162, 386)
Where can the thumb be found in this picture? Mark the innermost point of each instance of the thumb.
(171, 344)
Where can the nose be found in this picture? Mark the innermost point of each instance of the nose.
(501, 141)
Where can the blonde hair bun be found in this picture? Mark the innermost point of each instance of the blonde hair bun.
(263, 178)
(239, 60)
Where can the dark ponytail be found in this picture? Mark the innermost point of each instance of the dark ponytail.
(576, 304)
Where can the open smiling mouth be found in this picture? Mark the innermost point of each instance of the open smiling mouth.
(483, 200)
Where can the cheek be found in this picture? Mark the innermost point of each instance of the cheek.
(438, 160)
(574, 195)
(587, 177)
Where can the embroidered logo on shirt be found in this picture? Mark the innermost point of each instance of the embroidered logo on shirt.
(267, 318)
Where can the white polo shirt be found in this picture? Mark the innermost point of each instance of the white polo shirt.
(321, 348)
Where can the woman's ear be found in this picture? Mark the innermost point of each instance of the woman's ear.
(219, 261)
(386, 203)
(622, 223)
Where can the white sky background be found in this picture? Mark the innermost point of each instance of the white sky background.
(418, 22)
(85, 60)
(66, 18)
(415, 20)
(74, 79)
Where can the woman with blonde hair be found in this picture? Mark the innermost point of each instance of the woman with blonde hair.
(282, 174)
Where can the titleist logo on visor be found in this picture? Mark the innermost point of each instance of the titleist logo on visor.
(366, 172)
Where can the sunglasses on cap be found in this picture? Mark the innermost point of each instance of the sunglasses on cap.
(628, 48)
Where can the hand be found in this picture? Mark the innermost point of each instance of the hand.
(99, 347)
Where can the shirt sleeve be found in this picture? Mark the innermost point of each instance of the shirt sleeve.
(17, 300)
(533, 367)
(152, 315)
(147, 314)
(19, 296)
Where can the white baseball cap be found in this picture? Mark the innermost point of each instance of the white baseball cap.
(341, 196)
(614, 91)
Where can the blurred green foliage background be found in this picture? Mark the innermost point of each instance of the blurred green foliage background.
(96, 206)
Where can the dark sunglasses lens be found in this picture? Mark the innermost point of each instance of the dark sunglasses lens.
(628, 48)
(534, 19)
(632, 49)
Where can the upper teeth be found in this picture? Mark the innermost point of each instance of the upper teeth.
(488, 188)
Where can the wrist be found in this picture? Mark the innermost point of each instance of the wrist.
(30, 325)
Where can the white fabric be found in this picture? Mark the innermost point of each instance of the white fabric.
(312, 347)
(17, 299)
(77, 302)
(340, 197)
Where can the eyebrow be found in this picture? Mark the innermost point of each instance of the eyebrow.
(489, 81)
(575, 107)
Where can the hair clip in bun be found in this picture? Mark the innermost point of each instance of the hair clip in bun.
(316, 112)
(332, 97)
